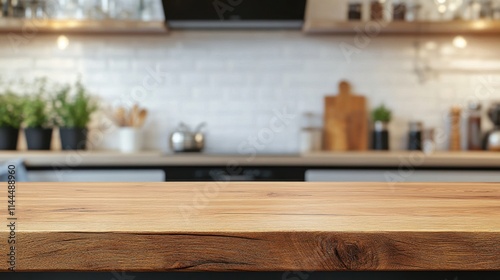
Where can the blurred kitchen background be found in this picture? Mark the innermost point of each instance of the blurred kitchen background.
(234, 79)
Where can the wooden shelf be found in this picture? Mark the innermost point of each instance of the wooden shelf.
(431, 28)
(122, 27)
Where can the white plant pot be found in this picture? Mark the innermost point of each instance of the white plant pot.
(130, 140)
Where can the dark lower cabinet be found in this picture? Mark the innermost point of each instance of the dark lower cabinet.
(235, 173)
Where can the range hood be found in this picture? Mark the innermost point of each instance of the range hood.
(203, 14)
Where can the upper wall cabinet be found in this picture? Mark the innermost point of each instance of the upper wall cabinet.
(403, 16)
(82, 17)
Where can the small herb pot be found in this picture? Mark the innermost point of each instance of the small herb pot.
(73, 138)
(8, 138)
(38, 138)
(380, 136)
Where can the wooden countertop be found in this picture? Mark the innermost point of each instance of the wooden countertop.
(255, 226)
(320, 159)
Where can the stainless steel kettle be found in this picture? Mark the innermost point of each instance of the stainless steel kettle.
(185, 140)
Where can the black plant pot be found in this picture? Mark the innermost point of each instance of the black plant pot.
(38, 138)
(73, 138)
(8, 138)
(380, 137)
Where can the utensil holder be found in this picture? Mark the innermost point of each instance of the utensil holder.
(130, 140)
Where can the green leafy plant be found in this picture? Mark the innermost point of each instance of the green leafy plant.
(37, 112)
(381, 113)
(74, 111)
(11, 109)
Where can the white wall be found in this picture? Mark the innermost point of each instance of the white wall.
(234, 80)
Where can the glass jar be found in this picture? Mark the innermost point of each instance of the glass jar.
(415, 136)
(311, 133)
(354, 12)
(428, 145)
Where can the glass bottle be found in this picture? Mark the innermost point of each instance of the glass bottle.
(455, 129)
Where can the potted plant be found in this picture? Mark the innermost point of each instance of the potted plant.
(381, 117)
(11, 110)
(73, 115)
(38, 120)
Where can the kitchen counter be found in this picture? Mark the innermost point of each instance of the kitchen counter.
(320, 159)
(255, 226)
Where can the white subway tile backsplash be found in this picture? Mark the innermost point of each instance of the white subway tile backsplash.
(16, 63)
(210, 65)
(93, 64)
(228, 78)
(55, 63)
(152, 53)
(266, 79)
(235, 81)
(118, 51)
(119, 64)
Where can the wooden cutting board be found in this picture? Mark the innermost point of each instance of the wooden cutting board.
(346, 121)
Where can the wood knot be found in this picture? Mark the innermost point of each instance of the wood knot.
(349, 255)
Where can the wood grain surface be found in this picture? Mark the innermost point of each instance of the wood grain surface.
(228, 226)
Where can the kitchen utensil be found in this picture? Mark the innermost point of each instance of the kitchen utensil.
(120, 116)
(143, 113)
(345, 121)
(185, 140)
(134, 117)
(455, 132)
